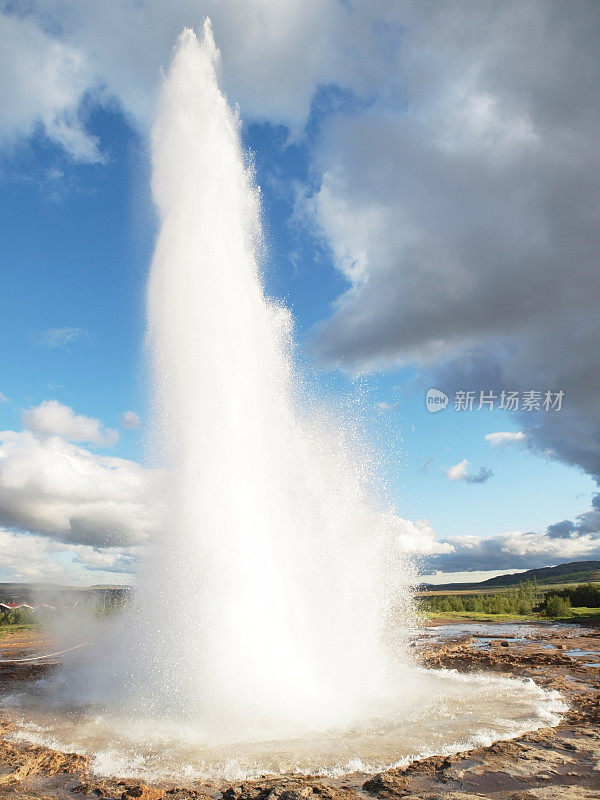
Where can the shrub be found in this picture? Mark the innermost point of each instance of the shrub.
(17, 616)
(520, 599)
(586, 594)
(557, 606)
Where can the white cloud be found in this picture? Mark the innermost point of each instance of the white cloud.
(458, 472)
(53, 487)
(52, 418)
(60, 337)
(108, 560)
(504, 437)
(468, 557)
(42, 83)
(418, 538)
(69, 513)
(26, 558)
(384, 405)
(129, 419)
(39, 559)
(57, 52)
(3, 398)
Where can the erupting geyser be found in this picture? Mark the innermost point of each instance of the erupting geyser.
(267, 632)
(276, 565)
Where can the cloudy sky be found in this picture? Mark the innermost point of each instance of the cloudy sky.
(431, 194)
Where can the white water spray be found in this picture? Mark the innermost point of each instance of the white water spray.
(266, 600)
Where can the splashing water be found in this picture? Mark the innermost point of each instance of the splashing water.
(272, 610)
(277, 563)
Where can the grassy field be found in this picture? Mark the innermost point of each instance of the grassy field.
(477, 616)
(584, 614)
(523, 601)
(575, 615)
(6, 631)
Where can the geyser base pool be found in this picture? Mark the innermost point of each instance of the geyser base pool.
(446, 713)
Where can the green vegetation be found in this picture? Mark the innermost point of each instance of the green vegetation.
(518, 601)
(583, 614)
(556, 606)
(479, 616)
(109, 606)
(18, 616)
(586, 594)
(16, 620)
(7, 631)
(524, 601)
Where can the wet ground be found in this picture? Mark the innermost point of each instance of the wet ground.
(559, 763)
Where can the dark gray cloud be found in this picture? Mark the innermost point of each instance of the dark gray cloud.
(510, 551)
(466, 217)
(563, 357)
(481, 475)
(561, 530)
(587, 523)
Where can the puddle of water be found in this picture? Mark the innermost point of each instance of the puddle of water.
(482, 642)
(578, 653)
(518, 631)
(435, 712)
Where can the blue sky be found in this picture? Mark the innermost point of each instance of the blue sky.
(76, 249)
(358, 205)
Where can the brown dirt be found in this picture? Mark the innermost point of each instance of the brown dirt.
(561, 763)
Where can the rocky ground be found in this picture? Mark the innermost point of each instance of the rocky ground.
(561, 763)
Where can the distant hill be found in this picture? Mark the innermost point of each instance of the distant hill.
(573, 572)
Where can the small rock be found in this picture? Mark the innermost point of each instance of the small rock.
(386, 784)
(140, 791)
(98, 788)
